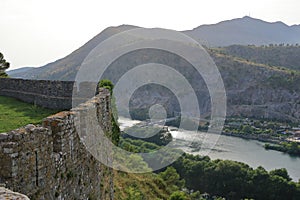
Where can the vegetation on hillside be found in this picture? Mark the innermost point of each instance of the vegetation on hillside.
(251, 126)
(284, 56)
(259, 65)
(15, 114)
(196, 177)
(150, 186)
(292, 148)
(4, 65)
(235, 180)
(164, 184)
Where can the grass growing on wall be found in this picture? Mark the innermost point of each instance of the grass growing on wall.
(14, 114)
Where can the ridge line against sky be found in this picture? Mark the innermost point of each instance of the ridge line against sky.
(34, 32)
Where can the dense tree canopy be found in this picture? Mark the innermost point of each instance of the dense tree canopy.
(235, 180)
(221, 178)
(4, 65)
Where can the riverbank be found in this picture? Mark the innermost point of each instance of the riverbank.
(261, 138)
(251, 152)
(273, 143)
(292, 149)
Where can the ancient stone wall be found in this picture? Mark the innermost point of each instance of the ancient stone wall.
(48, 94)
(50, 161)
(9, 195)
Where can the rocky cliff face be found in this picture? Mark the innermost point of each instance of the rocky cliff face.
(253, 90)
(258, 90)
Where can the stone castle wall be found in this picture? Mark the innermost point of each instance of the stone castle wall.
(50, 161)
(48, 94)
(8, 194)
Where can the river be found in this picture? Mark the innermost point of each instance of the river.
(251, 152)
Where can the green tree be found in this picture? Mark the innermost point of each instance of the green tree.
(178, 196)
(136, 163)
(282, 173)
(4, 65)
(172, 178)
(105, 83)
(293, 148)
(247, 129)
(235, 180)
(134, 193)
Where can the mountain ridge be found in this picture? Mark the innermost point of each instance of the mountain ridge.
(202, 33)
(245, 31)
(256, 82)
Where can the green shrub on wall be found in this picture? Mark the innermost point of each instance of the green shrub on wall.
(115, 136)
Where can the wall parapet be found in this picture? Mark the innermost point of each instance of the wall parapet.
(44, 93)
(50, 162)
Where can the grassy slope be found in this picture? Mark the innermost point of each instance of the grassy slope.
(281, 56)
(14, 114)
(139, 186)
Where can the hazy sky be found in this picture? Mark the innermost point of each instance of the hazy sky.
(36, 32)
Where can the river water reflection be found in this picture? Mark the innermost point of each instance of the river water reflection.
(251, 152)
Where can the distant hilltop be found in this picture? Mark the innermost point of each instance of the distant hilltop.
(246, 31)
